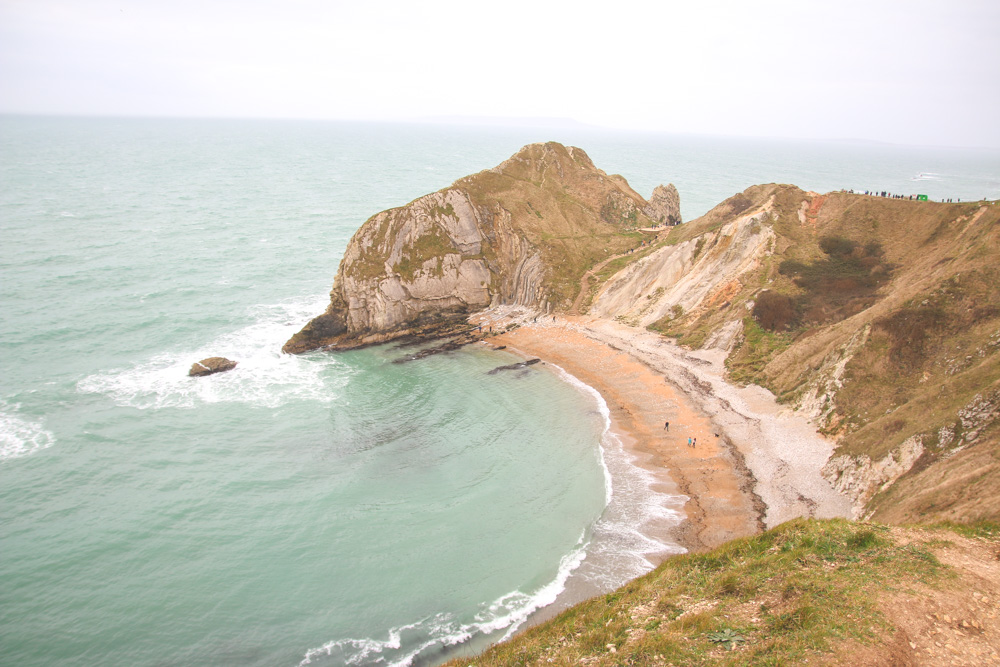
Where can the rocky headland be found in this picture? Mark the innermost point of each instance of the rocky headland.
(521, 233)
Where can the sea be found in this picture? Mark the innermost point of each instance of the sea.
(325, 509)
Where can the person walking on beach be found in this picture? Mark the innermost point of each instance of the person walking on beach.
(694, 443)
(666, 426)
(689, 442)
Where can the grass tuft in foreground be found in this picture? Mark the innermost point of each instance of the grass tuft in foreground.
(775, 599)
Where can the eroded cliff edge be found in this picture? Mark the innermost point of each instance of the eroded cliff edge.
(522, 233)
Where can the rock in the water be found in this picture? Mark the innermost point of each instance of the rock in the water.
(664, 205)
(514, 367)
(211, 365)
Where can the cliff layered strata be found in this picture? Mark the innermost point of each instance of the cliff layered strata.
(691, 275)
(521, 233)
(664, 205)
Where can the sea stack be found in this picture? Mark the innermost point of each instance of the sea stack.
(664, 205)
(521, 233)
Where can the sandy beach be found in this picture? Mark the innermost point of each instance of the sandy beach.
(755, 464)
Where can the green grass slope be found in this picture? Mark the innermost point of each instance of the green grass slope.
(823, 592)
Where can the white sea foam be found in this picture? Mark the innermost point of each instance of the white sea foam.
(508, 612)
(19, 436)
(264, 376)
(621, 547)
(605, 412)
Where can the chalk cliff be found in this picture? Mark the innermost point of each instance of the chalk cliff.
(521, 233)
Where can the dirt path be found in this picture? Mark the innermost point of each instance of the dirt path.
(957, 623)
(585, 283)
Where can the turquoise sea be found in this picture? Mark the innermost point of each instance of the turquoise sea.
(323, 509)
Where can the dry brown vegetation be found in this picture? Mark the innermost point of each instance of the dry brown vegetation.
(775, 312)
(917, 285)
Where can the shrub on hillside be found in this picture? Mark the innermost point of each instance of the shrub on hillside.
(775, 312)
(840, 284)
(909, 329)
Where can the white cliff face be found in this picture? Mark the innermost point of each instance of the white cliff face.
(692, 275)
(859, 478)
(426, 257)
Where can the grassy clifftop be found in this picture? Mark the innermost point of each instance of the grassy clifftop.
(824, 592)
(563, 205)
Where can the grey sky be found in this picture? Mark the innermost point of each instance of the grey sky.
(913, 72)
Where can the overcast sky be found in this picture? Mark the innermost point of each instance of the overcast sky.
(914, 72)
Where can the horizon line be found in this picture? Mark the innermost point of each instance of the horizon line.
(510, 122)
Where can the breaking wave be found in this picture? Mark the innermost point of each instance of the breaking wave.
(405, 643)
(19, 436)
(264, 375)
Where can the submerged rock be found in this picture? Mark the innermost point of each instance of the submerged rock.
(514, 367)
(210, 366)
(449, 345)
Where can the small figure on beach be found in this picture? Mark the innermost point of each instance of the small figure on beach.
(689, 442)
(694, 443)
(666, 426)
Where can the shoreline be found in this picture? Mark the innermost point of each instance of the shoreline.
(756, 464)
(720, 504)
